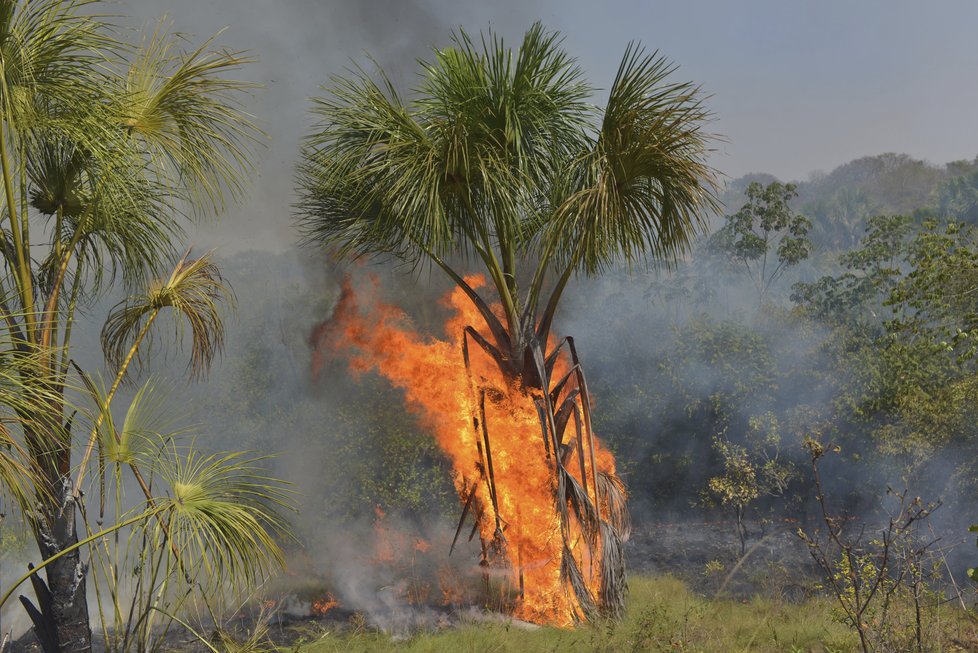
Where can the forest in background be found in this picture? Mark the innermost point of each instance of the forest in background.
(851, 355)
(707, 387)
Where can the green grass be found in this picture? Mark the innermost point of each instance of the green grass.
(663, 615)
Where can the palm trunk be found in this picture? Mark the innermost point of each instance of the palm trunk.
(60, 617)
(62, 621)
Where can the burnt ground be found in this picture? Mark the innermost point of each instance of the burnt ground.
(704, 554)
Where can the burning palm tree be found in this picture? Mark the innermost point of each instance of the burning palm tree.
(499, 157)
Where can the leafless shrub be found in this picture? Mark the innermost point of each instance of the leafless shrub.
(887, 580)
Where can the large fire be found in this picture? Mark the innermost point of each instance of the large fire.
(519, 524)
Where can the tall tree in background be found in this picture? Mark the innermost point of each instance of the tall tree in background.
(104, 150)
(765, 236)
(500, 158)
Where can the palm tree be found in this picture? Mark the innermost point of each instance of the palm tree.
(499, 157)
(105, 150)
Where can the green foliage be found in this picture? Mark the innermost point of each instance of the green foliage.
(183, 110)
(841, 202)
(742, 366)
(936, 298)
(387, 461)
(738, 486)
(957, 198)
(851, 575)
(105, 149)
(194, 291)
(499, 157)
(751, 470)
(902, 318)
(709, 376)
(765, 236)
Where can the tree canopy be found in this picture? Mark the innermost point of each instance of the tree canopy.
(499, 156)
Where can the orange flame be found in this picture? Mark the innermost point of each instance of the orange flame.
(323, 605)
(440, 393)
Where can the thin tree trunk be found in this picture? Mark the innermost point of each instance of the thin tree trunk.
(61, 621)
(60, 618)
(67, 585)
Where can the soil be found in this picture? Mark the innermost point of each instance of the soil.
(707, 556)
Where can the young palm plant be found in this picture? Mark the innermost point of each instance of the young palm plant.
(216, 539)
(105, 150)
(498, 157)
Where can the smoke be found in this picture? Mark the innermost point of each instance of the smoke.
(333, 434)
(15, 548)
(678, 357)
(395, 571)
(777, 105)
(298, 46)
(667, 354)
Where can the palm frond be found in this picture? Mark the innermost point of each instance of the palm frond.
(465, 160)
(613, 581)
(645, 187)
(357, 168)
(16, 478)
(107, 206)
(50, 49)
(504, 124)
(186, 113)
(194, 291)
(226, 516)
(147, 420)
(573, 577)
(612, 489)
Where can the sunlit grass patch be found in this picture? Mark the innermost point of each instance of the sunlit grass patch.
(662, 615)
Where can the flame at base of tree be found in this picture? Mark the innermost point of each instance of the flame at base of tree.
(540, 490)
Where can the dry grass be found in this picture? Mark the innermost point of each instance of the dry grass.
(662, 615)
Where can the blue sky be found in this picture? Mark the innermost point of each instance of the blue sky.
(802, 86)
(796, 86)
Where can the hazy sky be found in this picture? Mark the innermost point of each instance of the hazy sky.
(796, 86)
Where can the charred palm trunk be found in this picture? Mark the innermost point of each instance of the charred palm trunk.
(60, 618)
(60, 615)
(596, 503)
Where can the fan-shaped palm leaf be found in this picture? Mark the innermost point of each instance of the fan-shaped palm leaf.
(643, 188)
(463, 169)
(146, 421)
(108, 211)
(499, 156)
(47, 49)
(225, 515)
(194, 291)
(187, 117)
